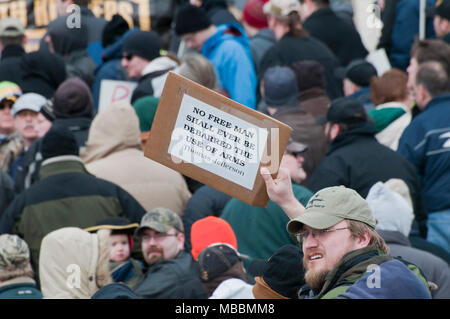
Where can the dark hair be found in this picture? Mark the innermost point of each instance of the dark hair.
(433, 76)
(431, 49)
(320, 3)
(309, 74)
(12, 40)
(391, 86)
(294, 23)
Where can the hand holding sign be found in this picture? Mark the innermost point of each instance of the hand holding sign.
(215, 140)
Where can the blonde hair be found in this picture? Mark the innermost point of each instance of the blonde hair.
(198, 69)
(358, 229)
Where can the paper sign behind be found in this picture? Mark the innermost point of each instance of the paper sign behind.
(114, 91)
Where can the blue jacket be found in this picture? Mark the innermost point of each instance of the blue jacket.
(395, 281)
(426, 144)
(229, 51)
(406, 28)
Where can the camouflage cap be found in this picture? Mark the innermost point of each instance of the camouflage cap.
(330, 206)
(14, 252)
(160, 219)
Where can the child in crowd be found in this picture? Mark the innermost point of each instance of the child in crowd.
(123, 268)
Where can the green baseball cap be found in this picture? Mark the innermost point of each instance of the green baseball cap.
(160, 219)
(330, 206)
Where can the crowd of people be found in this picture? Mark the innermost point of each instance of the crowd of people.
(359, 208)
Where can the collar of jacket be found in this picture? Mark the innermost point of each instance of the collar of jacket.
(394, 237)
(365, 130)
(352, 267)
(61, 165)
(11, 51)
(19, 281)
(438, 100)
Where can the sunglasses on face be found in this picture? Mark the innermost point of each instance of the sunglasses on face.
(128, 56)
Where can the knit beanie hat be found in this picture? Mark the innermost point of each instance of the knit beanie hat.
(73, 99)
(145, 108)
(283, 272)
(211, 230)
(58, 141)
(191, 19)
(253, 14)
(145, 44)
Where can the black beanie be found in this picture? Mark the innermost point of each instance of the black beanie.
(284, 271)
(73, 98)
(145, 44)
(190, 19)
(57, 142)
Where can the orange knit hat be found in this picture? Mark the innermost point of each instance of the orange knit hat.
(211, 230)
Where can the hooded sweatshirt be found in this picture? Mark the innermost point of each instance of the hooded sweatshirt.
(42, 72)
(113, 152)
(74, 263)
(229, 51)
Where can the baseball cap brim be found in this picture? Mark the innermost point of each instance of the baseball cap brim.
(152, 225)
(313, 219)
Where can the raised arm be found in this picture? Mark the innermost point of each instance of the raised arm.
(280, 192)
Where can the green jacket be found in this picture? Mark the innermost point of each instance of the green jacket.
(65, 196)
(20, 288)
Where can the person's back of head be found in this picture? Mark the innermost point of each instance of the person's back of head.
(14, 258)
(64, 39)
(211, 230)
(391, 210)
(280, 87)
(431, 50)
(217, 263)
(85, 255)
(433, 76)
(12, 32)
(281, 276)
(287, 14)
(114, 129)
(253, 16)
(391, 86)
(73, 99)
(347, 112)
(309, 74)
(58, 141)
(42, 72)
(360, 72)
(114, 30)
(198, 69)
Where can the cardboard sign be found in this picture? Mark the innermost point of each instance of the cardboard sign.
(113, 91)
(214, 140)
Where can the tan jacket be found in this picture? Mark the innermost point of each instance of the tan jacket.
(74, 263)
(113, 152)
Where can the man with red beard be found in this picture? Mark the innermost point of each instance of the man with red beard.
(344, 257)
(171, 273)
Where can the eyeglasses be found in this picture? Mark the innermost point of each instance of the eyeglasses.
(301, 236)
(157, 236)
(128, 56)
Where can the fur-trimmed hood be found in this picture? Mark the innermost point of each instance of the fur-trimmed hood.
(73, 263)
